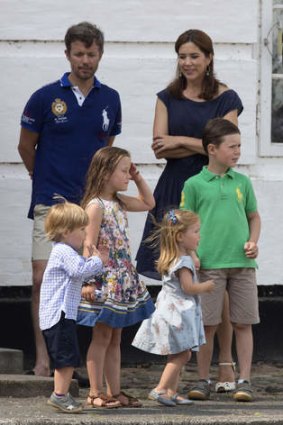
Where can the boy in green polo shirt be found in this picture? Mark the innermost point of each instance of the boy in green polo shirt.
(230, 227)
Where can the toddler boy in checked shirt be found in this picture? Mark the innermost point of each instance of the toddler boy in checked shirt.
(60, 296)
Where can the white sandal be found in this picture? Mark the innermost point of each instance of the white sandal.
(225, 387)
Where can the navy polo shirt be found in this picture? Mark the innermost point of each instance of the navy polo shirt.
(69, 135)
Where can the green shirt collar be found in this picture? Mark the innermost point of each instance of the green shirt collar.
(208, 175)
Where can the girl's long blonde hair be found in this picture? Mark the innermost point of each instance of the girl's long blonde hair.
(173, 223)
(102, 166)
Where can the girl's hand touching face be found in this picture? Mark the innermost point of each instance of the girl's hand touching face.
(134, 172)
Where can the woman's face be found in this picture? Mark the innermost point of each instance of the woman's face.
(192, 62)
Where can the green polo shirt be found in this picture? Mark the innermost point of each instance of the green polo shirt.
(222, 203)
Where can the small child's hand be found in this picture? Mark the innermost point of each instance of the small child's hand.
(92, 251)
(196, 260)
(208, 286)
(251, 249)
(103, 253)
(134, 172)
(88, 292)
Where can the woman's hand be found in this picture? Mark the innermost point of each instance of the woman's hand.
(162, 143)
(175, 146)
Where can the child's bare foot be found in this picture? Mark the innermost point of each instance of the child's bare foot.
(102, 401)
(127, 400)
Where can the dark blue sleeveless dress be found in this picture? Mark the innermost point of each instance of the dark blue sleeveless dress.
(185, 118)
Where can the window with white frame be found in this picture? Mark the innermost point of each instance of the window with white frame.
(271, 105)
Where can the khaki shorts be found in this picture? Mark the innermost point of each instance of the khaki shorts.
(242, 289)
(41, 247)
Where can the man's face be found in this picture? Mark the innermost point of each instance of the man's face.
(83, 60)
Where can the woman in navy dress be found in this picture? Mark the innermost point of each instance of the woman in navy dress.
(182, 111)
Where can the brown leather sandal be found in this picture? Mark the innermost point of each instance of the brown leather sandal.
(102, 401)
(131, 401)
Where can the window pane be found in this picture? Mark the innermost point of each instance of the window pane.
(277, 70)
(277, 111)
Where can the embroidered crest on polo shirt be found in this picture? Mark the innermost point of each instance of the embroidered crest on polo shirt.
(59, 108)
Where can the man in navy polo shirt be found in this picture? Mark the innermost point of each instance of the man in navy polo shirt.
(63, 124)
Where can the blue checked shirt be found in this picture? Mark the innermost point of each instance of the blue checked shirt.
(62, 282)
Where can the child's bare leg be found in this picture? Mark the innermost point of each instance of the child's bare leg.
(170, 377)
(225, 337)
(112, 366)
(244, 345)
(112, 372)
(62, 380)
(101, 336)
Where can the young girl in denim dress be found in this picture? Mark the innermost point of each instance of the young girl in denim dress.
(175, 328)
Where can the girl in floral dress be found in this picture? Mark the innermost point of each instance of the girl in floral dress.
(116, 298)
(176, 327)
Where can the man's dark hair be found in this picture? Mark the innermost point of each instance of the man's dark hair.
(85, 32)
(215, 130)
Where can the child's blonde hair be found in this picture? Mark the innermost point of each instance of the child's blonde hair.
(173, 223)
(63, 217)
(102, 166)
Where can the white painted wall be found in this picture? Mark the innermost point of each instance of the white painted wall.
(139, 60)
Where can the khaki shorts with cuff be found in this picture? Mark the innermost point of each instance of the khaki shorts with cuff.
(241, 286)
(41, 246)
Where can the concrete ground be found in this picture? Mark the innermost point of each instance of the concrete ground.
(23, 401)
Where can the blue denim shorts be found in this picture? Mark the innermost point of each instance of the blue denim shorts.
(62, 343)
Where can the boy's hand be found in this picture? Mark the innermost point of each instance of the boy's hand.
(209, 286)
(103, 253)
(251, 249)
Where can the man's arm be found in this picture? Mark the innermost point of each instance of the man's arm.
(27, 148)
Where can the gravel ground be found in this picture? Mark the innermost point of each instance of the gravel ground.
(267, 380)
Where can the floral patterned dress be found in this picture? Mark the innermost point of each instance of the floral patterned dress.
(176, 325)
(124, 299)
